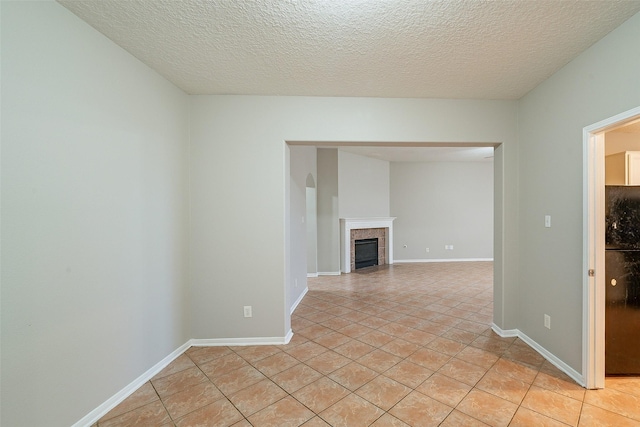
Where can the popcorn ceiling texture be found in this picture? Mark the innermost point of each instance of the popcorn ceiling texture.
(378, 48)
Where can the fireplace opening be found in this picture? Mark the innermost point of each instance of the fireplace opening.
(366, 253)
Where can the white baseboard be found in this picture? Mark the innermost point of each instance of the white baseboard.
(575, 375)
(508, 333)
(310, 275)
(406, 261)
(218, 342)
(93, 416)
(288, 337)
(295, 304)
(329, 273)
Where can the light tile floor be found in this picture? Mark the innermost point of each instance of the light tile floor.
(402, 345)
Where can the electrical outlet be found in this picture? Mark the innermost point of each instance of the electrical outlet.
(248, 311)
(296, 283)
(547, 321)
(427, 250)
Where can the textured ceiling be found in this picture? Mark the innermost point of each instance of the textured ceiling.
(375, 48)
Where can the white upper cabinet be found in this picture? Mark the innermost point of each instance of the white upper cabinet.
(623, 168)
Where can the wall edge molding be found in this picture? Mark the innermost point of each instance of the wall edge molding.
(288, 337)
(505, 333)
(407, 261)
(295, 304)
(219, 342)
(553, 359)
(93, 416)
(329, 273)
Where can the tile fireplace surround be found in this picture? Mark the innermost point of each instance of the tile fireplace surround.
(363, 228)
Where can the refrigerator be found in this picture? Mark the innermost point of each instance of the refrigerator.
(622, 275)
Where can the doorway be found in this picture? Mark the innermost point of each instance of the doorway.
(594, 246)
(300, 165)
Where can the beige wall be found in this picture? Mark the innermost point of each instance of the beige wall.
(550, 123)
(442, 203)
(239, 180)
(94, 204)
(302, 164)
(363, 186)
(94, 214)
(328, 214)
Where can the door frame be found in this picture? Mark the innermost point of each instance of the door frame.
(593, 333)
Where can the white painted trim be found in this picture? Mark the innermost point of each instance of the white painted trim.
(295, 304)
(613, 122)
(219, 342)
(593, 358)
(504, 333)
(593, 325)
(575, 375)
(329, 273)
(406, 261)
(310, 275)
(288, 337)
(93, 416)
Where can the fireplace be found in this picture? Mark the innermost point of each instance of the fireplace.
(353, 229)
(366, 253)
(379, 235)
